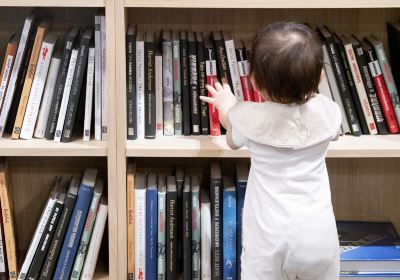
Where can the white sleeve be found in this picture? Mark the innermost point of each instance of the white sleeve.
(238, 138)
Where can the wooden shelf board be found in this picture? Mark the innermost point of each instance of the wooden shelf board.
(41, 147)
(52, 3)
(366, 146)
(101, 276)
(263, 4)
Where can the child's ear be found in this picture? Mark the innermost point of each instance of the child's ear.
(253, 83)
(323, 75)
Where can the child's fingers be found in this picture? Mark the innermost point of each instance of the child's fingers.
(207, 99)
(212, 90)
(225, 84)
(218, 87)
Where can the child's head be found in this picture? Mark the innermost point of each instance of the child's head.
(286, 62)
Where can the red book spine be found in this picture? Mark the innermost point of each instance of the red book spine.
(384, 97)
(211, 69)
(245, 81)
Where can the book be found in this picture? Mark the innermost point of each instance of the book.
(151, 227)
(50, 261)
(3, 257)
(87, 230)
(140, 226)
(131, 82)
(69, 45)
(235, 83)
(140, 86)
(180, 184)
(381, 89)
(229, 228)
(171, 238)
(89, 94)
(196, 228)
(130, 206)
(202, 81)
(65, 96)
(41, 32)
(185, 83)
(104, 102)
(216, 223)
(244, 72)
(205, 222)
(193, 84)
(393, 33)
(257, 95)
(8, 63)
(35, 96)
(7, 211)
(44, 112)
(97, 75)
(176, 73)
(168, 84)
(161, 233)
(95, 242)
(368, 247)
(76, 224)
(187, 229)
(159, 90)
(221, 56)
(149, 81)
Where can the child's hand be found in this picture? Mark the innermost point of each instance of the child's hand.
(222, 97)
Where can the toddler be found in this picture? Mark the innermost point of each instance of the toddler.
(289, 229)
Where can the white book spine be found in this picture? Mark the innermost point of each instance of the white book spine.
(6, 74)
(234, 70)
(205, 222)
(65, 97)
(362, 94)
(2, 252)
(35, 96)
(140, 234)
(97, 79)
(95, 242)
(47, 98)
(89, 95)
(140, 88)
(103, 79)
(36, 238)
(14, 75)
(159, 96)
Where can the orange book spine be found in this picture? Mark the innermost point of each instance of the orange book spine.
(8, 63)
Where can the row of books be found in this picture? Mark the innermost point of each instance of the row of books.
(45, 76)
(67, 239)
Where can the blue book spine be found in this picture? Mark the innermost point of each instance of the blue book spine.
(151, 234)
(240, 193)
(229, 234)
(74, 232)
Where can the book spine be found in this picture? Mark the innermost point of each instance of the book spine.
(151, 234)
(89, 95)
(140, 234)
(95, 242)
(161, 257)
(229, 232)
(97, 78)
(159, 96)
(104, 102)
(360, 90)
(202, 80)
(211, 68)
(74, 232)
(177, 87)
(196, 236)
(216, 232)
(185, 87)
(234, 70)
(3, 261)
(131, 86)
(140, 88)
(194, 89)
(168, 96)
(187, 235)
(150, 94)
(244, 73)
(222, 61)
(130, 206)
(36, 93)
(172, 254)
(7, 66)
(205, 241)
(240, 195)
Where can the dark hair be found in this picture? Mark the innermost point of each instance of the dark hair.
(287, 61)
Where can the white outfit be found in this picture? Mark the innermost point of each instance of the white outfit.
(289, 229)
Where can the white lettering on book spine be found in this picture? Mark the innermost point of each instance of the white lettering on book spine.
(140, 88)
(233, 67)
(4, 80)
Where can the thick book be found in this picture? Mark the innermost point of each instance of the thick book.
(187, 229)
(369, 86)
(176, 73)
(104, 102)
(95, 241)
(89, 94)
(140, 86)
(172, 232)
(3, 257)
(233, 66)
(150, 91)
(185, 84)
(7, 209)
(216, 220)
(69, 45)
(168, 84)
(140, 226)
(205, 221)
(130, 216)
(196, 228)
(393, 33)
(229, 229)
(151, 227)
(87, 230)
(38, 85)
(244, 72)
(222, 59)
(381, 89)
(180, 182)
(159, 90)
(161, 230)
(368, 247)
(242, 175)
(76, 224)
(8, 63)
(344, 88)
(202, 81)
(131, 82)
(193, 84)
(97, 75)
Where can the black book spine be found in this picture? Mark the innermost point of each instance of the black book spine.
(131, 86)
(150, 90)
(343, 86)
(222, 61)
(216, 229)
(53, 252)
(44, 243)
(194, 87)
(187, 235)
(185, 87)
(202, 79)
(179, 209)
(59, 88)
(370, 89)
(172, 235)
(394, 46)
(73, 101)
